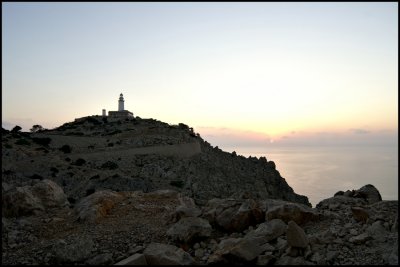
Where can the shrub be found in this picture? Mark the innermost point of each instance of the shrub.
(8, 146)
(110, 144)
(90, 191)
(16, 129)
(109, 165)
(36, 176)
(178, 184)
(66, 149)
(54, 169)
(93, 121)
(42, 141)
(36, 128)
(22, 142)
(79, 162)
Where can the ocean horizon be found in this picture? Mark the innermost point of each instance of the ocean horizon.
(318, 172)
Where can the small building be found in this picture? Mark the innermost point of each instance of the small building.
(121, 113)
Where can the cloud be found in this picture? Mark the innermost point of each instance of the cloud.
(359, 131)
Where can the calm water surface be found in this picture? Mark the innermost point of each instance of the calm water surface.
(319, 172)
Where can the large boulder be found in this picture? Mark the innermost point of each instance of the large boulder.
(298, 213)
(187, 208)
(234, 215)
(50, 194)
(267, 231)
(369, 193)
(163, 254)
(188, 229)
(21, 202)
(295, 235)
(97, 205)
(28, 200)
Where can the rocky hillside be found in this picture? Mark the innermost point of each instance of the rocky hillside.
(142, 192)
(95, 153)
(164, 227)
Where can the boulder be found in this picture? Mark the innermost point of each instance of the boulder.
(292, 212)
(75, 252)
(28, 200)
(97, 205)
(188, 229)
(187, 208)
(162, 254)
(233, 215)
(267, 231)
(101, 259)
(341, 201)
(295, 235)
(135, 259)
(360, 239)
(369, 193)
(360, 214)
(377, 231)
(50, 194)
(21, 202)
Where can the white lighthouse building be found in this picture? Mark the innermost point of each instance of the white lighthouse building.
(121, 113)
(121, 103)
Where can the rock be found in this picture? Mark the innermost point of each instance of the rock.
(267, 231)
(199, 253)
(97, 205)
(135, 259)
(187, 208)
(296, 236)
(188, 229)
(162, 254)
(369, 193)
(292, 212)
(28, 200)
(245, 250)
(341, 200)
(265, 259)
(50, 194)
(77, 251)
(20, 202)
(360, 239)
(377, 231)
(287, 260)
(360, 214)
(101, 259)
(233, 215)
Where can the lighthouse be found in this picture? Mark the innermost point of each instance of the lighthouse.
(121, 113)
(121, 103)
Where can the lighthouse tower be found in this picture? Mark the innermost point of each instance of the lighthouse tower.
(121, 113)
(121, 103)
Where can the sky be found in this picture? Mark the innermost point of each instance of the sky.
(238, 73)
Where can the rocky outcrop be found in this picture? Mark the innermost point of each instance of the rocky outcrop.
(28, 200)
(95, 206)
(146, 155)
(368, 193)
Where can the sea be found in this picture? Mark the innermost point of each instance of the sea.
(318, 172)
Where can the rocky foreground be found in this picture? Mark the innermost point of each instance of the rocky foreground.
(142, 192)
(164, 227)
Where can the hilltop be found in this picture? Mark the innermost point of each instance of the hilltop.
(141, 154)
(139, 191)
